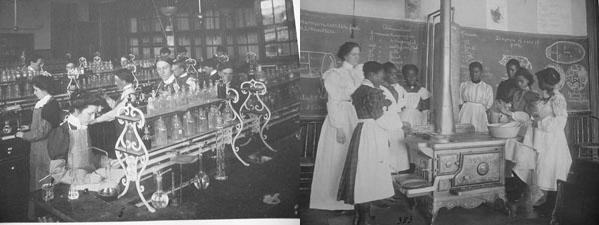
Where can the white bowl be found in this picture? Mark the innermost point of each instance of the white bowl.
(500, 130)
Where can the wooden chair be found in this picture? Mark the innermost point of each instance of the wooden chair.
(310, 132)
(582, 131)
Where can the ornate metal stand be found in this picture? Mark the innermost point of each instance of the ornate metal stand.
(256, 89)
(130, 151)
(238, 127)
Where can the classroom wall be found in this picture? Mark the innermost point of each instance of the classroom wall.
(521, 15)
(36, 14)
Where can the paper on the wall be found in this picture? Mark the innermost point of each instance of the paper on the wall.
(554, 16)
(413, 9)
(497, 15)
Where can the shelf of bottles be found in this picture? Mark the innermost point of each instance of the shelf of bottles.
(16, 88)
(185, 123)
(282, 84)
(185, 115)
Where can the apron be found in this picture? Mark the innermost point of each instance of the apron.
(79, 169)
(38, 156)
(475, 114)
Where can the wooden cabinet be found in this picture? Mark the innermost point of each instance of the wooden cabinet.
(14, 180)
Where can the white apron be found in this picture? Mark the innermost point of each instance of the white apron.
(398, 153)
(475, 114)
(373, 179)
(340, 83)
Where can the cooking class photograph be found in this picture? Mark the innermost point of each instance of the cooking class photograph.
(149, 110)
(449, 112)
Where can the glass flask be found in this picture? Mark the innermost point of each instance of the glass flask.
(201, 181)
(159, 199)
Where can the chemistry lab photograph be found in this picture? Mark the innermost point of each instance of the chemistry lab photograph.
(147, 110)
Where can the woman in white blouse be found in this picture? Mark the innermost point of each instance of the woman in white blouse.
(476, 97)
(337, 129)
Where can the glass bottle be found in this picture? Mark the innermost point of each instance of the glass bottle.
(177, 131)
(160, 134)
(219, 121)
(189, 124)
(7, 129)
(147, 138)
(212, 117)
(221, 173)
(202, 120)
(159, 199)
(228, 115)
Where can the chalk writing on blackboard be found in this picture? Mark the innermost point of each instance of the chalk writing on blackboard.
(391, 28)
(517, 42)
(565, 52)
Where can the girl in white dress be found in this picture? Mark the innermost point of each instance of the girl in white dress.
(337, 129)
(476, 97)
(417, 98)
(398, 160)
(554, 160)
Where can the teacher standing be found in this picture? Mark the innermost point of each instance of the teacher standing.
(337, 129)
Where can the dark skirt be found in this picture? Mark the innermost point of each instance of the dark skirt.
(348, 177)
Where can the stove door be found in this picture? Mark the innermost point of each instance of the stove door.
(480, 167)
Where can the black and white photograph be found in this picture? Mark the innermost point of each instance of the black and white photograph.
(449, 112)
(149, 110)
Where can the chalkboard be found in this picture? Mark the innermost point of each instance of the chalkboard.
(382, 40)
(567, 54)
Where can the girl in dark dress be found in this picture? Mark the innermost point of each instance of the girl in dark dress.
(46, 116)
(366, 175)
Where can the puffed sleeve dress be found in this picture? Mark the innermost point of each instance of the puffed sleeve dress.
(339, 83)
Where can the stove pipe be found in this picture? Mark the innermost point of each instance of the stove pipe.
(444, 124)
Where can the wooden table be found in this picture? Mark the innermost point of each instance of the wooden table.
(466, 172)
